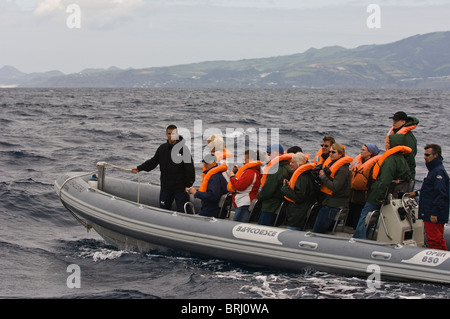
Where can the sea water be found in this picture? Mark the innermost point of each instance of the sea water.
(47, 132)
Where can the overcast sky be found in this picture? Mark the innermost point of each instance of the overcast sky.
(35, 36)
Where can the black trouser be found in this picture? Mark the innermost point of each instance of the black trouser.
(166, 200)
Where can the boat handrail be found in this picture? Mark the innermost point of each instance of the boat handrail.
(92, 189)
(101, 167)
(352, 240)
(82, 222)
(189, 204)
(383, 222)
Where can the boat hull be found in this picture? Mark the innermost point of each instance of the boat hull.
(129, 225)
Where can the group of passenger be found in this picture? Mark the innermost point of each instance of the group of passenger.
(332, 179)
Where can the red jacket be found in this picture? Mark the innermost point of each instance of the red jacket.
(246, 186)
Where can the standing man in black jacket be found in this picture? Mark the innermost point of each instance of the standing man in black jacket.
(177, 170)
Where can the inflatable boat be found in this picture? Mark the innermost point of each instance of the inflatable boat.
(127, 214)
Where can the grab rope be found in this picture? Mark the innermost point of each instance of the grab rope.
(123, 169)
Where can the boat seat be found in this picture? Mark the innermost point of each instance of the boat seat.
(280, 214)
(255, 210)
(311, 216)
(340, 219)
(225, 203)
(371, 223)
(397, 190)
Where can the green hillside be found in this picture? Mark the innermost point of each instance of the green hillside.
(421, 61)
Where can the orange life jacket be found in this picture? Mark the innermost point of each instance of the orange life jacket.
(218, 169)
(275, 161)
(403, 130)
(327, 161)
(318, 159)
(299, 171)
(241, 170)
(361, 172)
(338, 164)
(379, 162)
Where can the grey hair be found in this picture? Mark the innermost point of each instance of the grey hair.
(299, 157)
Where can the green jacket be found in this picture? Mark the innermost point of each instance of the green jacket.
(410, 141)
(304, 196)
(339, 185)
(270, 194)
(394, 167)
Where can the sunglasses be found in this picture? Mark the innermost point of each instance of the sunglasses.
(427, 154)
(332, 152)
(325, 145)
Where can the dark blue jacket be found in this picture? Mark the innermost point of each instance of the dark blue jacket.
(217, 186)
(434, 194)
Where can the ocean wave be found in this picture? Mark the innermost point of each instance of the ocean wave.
(319, 285)
(105, 133)
(22, 157)
(5, 122)
(48, 132)
(7, 144)
(101, 254)
(111, 294)
(33, 204)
